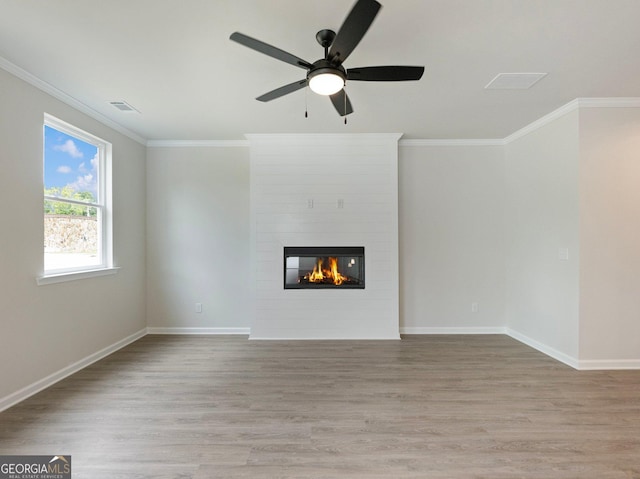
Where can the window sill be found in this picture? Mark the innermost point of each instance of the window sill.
(75, 275)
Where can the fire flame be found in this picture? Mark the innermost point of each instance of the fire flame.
(320, 274)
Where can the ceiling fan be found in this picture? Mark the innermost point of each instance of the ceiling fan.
(327, 76)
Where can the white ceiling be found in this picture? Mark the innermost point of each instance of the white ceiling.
(173, 61)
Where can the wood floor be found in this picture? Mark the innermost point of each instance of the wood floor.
(451, 407)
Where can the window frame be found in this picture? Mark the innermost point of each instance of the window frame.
(103, 206)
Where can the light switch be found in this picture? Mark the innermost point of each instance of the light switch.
(563, 254)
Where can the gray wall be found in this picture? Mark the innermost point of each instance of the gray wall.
(610, 235)
(198, 238)
(542, 218)
(44, 329)
(451, 201)
(573, 185)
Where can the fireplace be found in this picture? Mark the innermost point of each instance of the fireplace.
(340, 267)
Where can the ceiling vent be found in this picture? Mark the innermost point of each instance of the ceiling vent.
(514, 81)
(123, 106)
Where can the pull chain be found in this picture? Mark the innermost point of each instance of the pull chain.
(345, 107)
(306, 113)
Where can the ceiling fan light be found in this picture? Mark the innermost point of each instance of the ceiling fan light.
(326, 83)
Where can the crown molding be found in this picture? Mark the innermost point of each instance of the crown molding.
(307, 138)
(613, 102)
(42, 85)
(285, 137)
(545, 120)
(198, 143)
(452, 142)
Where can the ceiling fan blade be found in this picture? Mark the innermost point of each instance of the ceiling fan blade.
(387, 73)
(283, 90)
(353, 29)
(270, 50)
(341, 102)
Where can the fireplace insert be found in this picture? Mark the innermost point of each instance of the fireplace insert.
(320, 267)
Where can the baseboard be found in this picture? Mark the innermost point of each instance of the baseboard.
(479, 330)
(28, 391)
(543, 348)
(327, 338)
(608, 364)
(210, 331)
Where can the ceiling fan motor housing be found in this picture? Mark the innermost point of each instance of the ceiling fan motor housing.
(325, 66)
(326, 78)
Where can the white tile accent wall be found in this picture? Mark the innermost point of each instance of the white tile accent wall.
(325, 190)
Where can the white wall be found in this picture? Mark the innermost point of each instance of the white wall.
(451, 238)
(286, 172)
(198, 238)
(542, 217)
(610, 235)
(45, 329)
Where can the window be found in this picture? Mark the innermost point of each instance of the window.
(77, 206)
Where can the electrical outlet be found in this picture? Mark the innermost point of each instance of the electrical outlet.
(474, 307)
(198, 307)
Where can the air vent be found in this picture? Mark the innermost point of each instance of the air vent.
(123, 106)
(514, 81)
